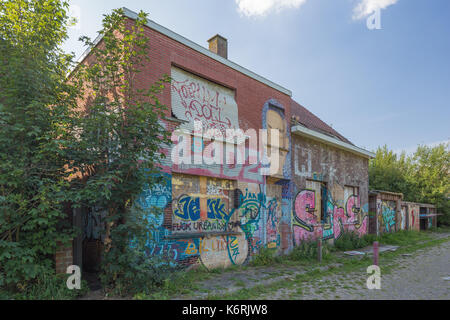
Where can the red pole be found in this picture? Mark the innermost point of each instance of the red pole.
(375, 253)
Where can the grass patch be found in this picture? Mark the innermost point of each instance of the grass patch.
(240, 283)
(351, 241)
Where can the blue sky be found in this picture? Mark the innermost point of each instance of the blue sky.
(383, 86)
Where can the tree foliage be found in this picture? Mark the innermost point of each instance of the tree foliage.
(34, 101)
(117, 146)
(422, 177)
(90, 139)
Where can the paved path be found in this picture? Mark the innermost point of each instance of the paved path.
(416, 277)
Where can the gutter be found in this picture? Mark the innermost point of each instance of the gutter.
(323, 138)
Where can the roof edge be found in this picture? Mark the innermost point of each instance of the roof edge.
(175, 36)
(303, 131)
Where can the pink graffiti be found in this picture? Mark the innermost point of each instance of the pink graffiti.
(355, 221)
(353, 209)
(305, 224)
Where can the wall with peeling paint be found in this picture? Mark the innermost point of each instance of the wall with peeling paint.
(331, 191)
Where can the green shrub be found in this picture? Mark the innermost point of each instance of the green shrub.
(308, 250)
(265, 257)
(351, 240)
(127, 268)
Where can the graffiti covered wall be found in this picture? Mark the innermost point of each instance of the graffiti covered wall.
(221, 214)
(197, 99)
(331, 189)
(387, 216)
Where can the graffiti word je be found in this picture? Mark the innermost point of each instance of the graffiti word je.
(74, 281)
(374, 281)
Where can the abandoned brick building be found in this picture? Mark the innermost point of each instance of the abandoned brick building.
(221, 215)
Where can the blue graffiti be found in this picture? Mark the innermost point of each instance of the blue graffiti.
(188, 208)
(388, 213)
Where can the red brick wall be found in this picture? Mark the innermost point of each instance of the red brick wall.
(63, 258)
(251, 95)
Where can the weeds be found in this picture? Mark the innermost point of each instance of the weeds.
(46, 287)
(351, 240)
(265, 257)
(308, 250)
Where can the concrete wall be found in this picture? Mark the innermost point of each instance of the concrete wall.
(331, 178)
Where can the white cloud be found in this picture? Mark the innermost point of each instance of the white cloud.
(263, 7)
(367, 7)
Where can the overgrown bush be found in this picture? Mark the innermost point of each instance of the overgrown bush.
(33, 104)
(121, 135)
(127, 268)
(308, 250)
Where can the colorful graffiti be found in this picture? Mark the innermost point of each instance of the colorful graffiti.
(240, 231)
(188, 208)
(357, 217)
(249, 212)
(387, 217)
(307, 221)
(305, 218)
(335, 219)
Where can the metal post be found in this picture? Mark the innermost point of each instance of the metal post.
(319, 247)
(375, 253)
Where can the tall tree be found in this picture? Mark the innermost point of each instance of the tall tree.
(387, 171)
(430, 176)
(34, 100)
(117, 150)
